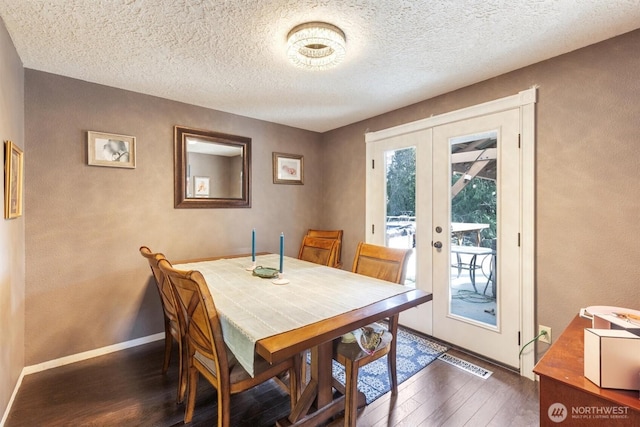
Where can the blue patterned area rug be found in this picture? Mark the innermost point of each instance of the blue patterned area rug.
(414, 354)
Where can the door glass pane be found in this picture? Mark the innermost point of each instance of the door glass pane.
(400, 172)
(474, 257)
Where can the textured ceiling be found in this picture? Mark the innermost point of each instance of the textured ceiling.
(230, 55)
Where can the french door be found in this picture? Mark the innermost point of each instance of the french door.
(476, 223)
(452, 193)
(397, 216)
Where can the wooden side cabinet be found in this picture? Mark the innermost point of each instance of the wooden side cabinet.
(567, 398)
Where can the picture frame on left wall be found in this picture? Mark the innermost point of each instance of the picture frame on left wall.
(13, 180)
(111, 150)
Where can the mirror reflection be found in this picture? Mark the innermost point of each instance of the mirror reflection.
(214, 171)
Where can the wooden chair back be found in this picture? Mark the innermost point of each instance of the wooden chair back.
(167, 298)
(319, 251)
(381, 262)
(329, 234)
(198, 311)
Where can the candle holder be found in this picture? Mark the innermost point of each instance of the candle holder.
(251, 267)
(280, 280)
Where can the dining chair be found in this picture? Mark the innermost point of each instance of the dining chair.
(323, 251)
(386, 264)
(319, 250)
(209, 356)
(172, 326)
(330, 234)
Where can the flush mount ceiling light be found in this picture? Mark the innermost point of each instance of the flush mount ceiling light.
(316, 45)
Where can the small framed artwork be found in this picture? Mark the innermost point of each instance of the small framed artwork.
(111, 150)
(13, 179)
(201, 186)
(288, 169)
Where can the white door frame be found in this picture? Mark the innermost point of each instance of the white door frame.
(525, 102)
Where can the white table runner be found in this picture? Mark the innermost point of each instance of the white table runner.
(252, 308)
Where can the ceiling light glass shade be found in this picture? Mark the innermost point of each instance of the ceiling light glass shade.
(316, 45)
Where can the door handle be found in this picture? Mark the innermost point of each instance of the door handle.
(437, 245)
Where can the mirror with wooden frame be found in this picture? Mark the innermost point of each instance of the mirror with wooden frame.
(211, 169)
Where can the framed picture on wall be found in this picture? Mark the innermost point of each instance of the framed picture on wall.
(201, 186)
(288, 169)
(111, 150)
(13, 179)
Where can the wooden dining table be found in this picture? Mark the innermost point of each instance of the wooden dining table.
(319, 305)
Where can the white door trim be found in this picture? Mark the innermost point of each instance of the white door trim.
(525, 102)
(526, 97)
(528, 232)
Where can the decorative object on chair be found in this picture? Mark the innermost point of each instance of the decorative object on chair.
(316, 46)
(368, 338)
(111, 150)
(288, 169)
(13, 180)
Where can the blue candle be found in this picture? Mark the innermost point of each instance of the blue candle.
(253, 245)
(281, 252)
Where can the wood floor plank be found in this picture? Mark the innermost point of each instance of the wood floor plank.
(454, 401)
(506, 389)
(382, 407)
(482, 405)
(498, 393)
(127, 389)
(383, 400)
(435, 377)
(471, 399)
(435, 393)
(519, 407)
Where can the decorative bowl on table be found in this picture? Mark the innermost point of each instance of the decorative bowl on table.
(266, 272)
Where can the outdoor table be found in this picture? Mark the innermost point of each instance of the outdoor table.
(459, 229)
(473, 265)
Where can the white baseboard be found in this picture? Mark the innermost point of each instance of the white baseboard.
(66, 360)
(13, 397)
(73, 359)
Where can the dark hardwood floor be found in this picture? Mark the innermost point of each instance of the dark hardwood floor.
(128, 389)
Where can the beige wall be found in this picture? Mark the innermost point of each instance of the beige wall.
(12, 265)
(588, 154)
(87, 285)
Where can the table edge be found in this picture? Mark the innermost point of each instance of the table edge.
(277, 348)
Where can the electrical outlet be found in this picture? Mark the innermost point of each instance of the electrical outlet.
(547, 337)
